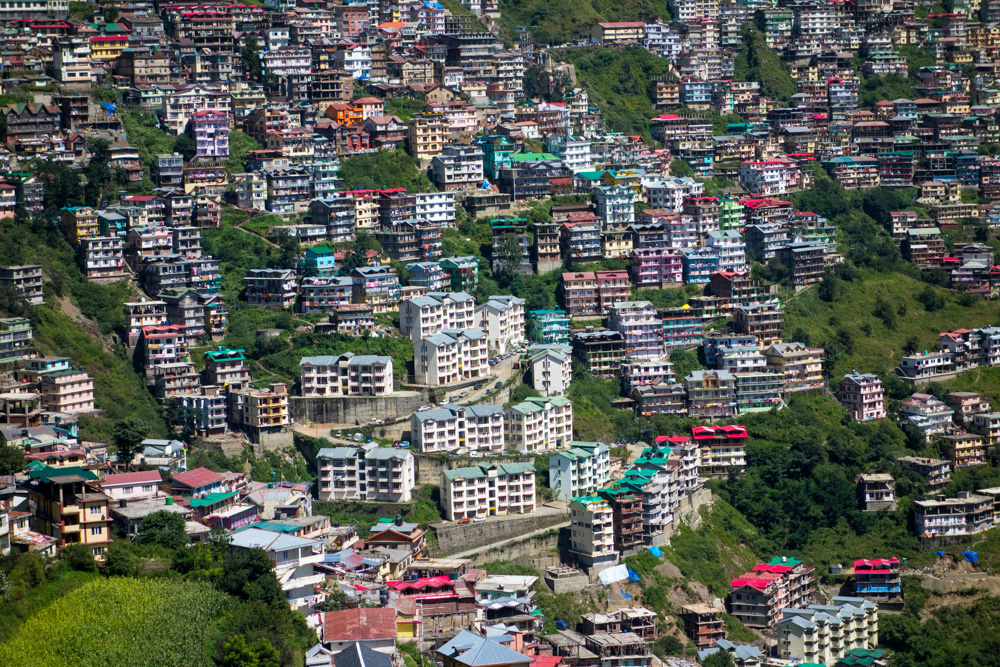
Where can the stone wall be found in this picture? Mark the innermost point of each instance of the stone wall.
(687, 511)
(454, 538)
(351, 409)
(270, 442)
(529, 547)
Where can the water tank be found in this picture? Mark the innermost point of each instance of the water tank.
(170, 500)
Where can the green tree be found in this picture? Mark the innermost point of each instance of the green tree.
(236, 652)
(250, 57)
(885, 312)
(248, 575)
(120, 560)
(163, 528)
(507, 259)
(11, 458)
(127, 436)
(680, 168)
(111, 14)
(931, 299)
(186, 146)
(720, 658)
(80, 557)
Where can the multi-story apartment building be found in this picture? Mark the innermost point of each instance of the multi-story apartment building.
(208, 405)
(937, 472)
(755, 598)
(15, 339)
(540, 424)
(69, 391)
(926, 416)
(878, 580)
(78, 223)
(579, 293)
(592, 538)
(377, 286)
(640, 326)
(655, 267)
(181, 104)
(615, 205)
(711, 394)
(425, 316)
(720, 448)
(274, 289)
(551, 368)
(770, 177)
(987, 425)
(260, 413)
(381, 474)
(163, 345)
(876, 491)
(488, 490)
(450, 356)
(26, 279)
(69, 507)
(600, 350)
(458, 167)
(765, 320)
(211, 134)
(581, 470)
(143, 313)
(501, 318)
(347, 374)
(862, 395)
(963, 516)
(801, 366)
(548, 326)
(964, 449)
(226, 367)
(825, 634)
(730, 247)
(449, 428)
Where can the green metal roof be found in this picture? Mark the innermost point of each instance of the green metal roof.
(48, 472)
(210, 499)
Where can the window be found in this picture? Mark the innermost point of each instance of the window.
(95, 509)
(96, 531)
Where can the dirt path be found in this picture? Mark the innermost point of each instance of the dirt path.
(71, 310)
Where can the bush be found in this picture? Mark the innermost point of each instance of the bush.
(79, 557)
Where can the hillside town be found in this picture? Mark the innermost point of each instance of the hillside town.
(384, 333)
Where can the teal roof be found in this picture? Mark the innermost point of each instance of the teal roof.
(273, 526)
(533, 157)
(225, 353)
(48, 472)
(210, 499)
(786, 560)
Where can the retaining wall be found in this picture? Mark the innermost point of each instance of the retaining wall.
(454, 538)
(529, 547)
(351, 409)
(430, 466)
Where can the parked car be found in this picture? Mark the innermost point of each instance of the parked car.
(479, 519)
(465, 520)
(497, 386)
(422, 408)
(475, 455)
(404, 443)
(369, 439)
(357, 437)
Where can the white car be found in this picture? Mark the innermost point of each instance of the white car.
(479, 519)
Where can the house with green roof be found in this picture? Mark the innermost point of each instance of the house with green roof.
(226, 367)
(540, 424)
(488, 490)
(580, 470)
(592, 534)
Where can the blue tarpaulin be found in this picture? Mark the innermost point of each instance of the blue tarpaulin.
(110, 108)
(938, 553)
(632, 576)
(656, 551)
(971, 556)
(561, 625)
(627, 595)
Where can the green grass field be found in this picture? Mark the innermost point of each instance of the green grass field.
(876, 348)
(120, 622)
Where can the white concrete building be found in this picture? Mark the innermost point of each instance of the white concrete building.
(292, 559)
(731, 247)
(824, 633)
(379, 474)
(488, 490)
(551, 368)
(446, 429)
(451, 356)
(669, 195)
(592, 535)
(502, 318)
(355, 59)
(580, 470)
(573, 151)
(540, 424)
(435, 207)
(425, 316)
(347, 374)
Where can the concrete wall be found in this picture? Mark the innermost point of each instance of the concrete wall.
(454, 538)
(351, 409)
(527, 548)
(232, 446)
(270, 442)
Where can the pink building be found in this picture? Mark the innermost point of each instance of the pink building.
(211, 133)
(862, 395)
(653, 267)
(133, 485)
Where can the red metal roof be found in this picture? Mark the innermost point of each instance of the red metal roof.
(359, 624)
(146, 476)
(197, 477)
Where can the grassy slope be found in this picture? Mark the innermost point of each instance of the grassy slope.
(620, 83)
(559, 21)
(880, 351)
(120, 622)
(15, 612)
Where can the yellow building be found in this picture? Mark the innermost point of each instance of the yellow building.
(801, 366)
(107, 47)
(68, 509)
(78, 222)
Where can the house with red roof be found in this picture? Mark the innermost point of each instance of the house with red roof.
(197, 482)
(372, 628)
(878, 579)
(753, 600)
(720, 448)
